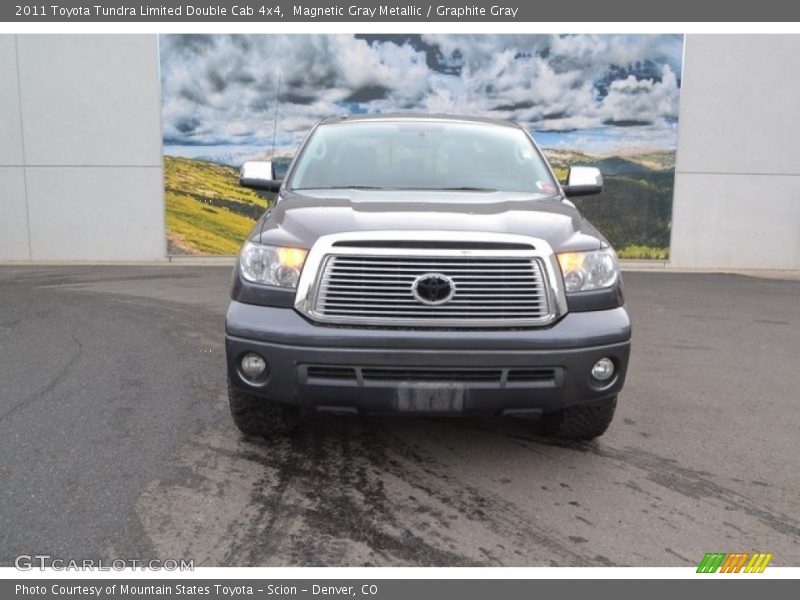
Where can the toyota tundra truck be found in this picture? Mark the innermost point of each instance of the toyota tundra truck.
(425, 265)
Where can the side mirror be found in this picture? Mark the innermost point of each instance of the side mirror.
(259, 175)
(583, 181)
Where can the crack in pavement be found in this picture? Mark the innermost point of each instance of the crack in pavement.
(54, 381)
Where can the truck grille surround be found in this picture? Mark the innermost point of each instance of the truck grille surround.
(433, 280)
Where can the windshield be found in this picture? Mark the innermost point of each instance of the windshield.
(421, 155)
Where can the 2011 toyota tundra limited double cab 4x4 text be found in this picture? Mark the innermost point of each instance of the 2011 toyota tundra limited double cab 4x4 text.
(429, 265)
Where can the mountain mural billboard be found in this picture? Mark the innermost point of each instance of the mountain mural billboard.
(609, 101)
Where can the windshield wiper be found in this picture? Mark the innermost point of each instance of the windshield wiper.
(341, 187)
(464, 188)
(397, 189)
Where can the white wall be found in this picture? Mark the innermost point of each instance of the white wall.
(14, 242)
(80, 157)
(737, 187)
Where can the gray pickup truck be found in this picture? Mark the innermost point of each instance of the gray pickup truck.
(425, 265)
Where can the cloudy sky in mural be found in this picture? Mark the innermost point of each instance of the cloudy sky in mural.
(596, 93)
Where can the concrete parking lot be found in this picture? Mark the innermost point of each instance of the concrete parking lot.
(115, 441)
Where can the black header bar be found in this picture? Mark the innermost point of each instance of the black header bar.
(277, 11)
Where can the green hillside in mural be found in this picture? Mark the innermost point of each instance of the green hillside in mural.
(634, 211)
(209, 213)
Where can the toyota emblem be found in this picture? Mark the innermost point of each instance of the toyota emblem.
(433, 289)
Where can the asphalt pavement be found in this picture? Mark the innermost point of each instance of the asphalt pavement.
(115, 441)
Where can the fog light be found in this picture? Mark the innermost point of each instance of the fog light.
(603, 369)
(253, 365)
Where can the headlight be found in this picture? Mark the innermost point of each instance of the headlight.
(273, 265)
(589, 270)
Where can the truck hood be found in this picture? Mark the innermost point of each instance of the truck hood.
(299, 219)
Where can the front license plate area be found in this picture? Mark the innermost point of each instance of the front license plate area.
(431, 398)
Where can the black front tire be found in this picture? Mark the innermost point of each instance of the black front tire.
(262, 417)
(582, 422)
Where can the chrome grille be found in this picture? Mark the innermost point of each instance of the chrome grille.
(491, 288)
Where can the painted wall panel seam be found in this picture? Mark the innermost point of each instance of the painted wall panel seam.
(24, 155)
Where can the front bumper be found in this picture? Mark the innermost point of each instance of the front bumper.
(370, 370)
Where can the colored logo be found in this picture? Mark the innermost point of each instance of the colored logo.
(737, 562)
